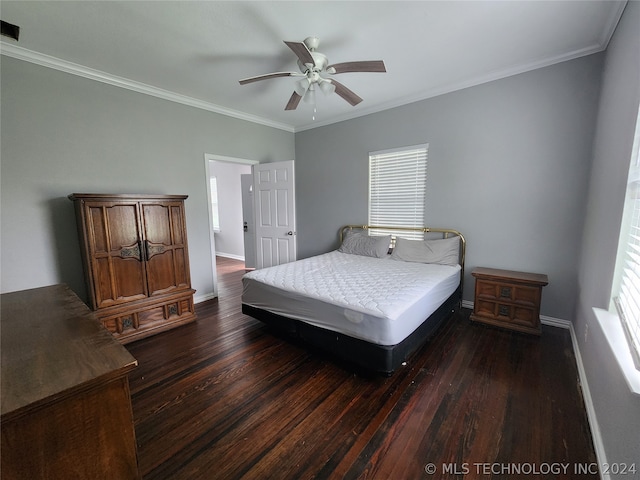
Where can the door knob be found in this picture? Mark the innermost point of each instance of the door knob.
(289, 232)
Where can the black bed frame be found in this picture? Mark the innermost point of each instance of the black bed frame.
(383, 359)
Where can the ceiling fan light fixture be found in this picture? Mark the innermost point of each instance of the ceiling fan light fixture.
(327, 87)
(301, 86)
(310, 96)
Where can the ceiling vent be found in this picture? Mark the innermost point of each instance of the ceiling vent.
(10, 30)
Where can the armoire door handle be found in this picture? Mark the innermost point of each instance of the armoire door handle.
(152, 249)
(134, 251)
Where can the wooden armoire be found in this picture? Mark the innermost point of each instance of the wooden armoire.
(136, 261)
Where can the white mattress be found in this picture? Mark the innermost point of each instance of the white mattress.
(378, 300)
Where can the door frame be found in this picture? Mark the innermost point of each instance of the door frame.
(211, 157)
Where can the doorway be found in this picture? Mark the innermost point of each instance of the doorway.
(225, 207)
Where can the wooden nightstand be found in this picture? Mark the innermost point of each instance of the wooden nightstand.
(509, 299)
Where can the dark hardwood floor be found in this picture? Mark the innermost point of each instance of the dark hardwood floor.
(225, 398)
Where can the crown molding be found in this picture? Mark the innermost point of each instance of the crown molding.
(48, 61)
(14, 51)
(453, 87)
(612, 23)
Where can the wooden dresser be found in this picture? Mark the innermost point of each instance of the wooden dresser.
(66, 407)
(509, 299)
(136, 261)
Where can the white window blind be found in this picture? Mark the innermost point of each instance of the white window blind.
(628, 266)
(397, 186)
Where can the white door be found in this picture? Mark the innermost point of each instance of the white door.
(275, 215)
(248, 221)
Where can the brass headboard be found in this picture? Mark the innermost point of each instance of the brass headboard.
(446, 232)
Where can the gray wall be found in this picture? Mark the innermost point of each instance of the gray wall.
(63, 134)
(617, 409)
(230, 240)
(508, 167)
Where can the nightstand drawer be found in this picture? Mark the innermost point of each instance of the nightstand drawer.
(508, 299)
(507, 292)
(509, 313)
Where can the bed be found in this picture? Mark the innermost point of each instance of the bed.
(372, 302)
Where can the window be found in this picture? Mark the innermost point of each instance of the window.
(627, 276)
(397, 186)
(213, 185)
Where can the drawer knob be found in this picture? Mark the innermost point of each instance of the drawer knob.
(503, 310)
(505, 292)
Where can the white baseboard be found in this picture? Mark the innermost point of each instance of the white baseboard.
(230, 255)
(210, 296)
(556, 322)
(596, 436)
(204, 297)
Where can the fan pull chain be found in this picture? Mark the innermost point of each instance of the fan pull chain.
(313, 117)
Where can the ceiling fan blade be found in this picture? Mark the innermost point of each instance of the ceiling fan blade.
(267, 76)
(347, 94)
(302, 52)
(363, 66)
(293, 102)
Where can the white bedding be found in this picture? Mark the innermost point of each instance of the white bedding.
(378, 300)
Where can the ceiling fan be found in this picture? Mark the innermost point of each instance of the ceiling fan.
(314, 66)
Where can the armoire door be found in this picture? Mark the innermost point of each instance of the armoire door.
(165, 246)
(115, 247)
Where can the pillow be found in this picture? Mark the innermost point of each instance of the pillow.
(445, 251)
(363, 244)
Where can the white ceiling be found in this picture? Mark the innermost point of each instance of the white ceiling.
(196, 51)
